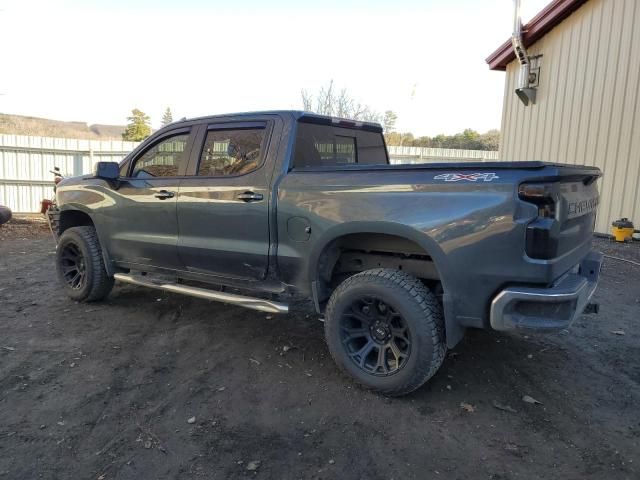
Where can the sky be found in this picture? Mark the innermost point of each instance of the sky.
(94, 61)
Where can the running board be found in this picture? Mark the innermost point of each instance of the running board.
(240, 300)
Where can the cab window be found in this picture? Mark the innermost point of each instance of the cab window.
(231, 152)
(163, 159)
(329, 146)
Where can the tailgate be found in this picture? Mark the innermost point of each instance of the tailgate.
(567, 200)
(577, 212)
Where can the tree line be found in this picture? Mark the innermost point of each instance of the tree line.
(339, 103)
(139, 125)
(466, 140)
(334, 102)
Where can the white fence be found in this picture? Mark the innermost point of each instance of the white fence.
(433, 155)
(25, 163)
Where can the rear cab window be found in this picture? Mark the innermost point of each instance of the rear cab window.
(320, 145)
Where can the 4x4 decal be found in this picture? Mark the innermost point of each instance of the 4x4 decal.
(469, 177)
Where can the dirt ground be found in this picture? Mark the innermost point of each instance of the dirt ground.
(154, 385)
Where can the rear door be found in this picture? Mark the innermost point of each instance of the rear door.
(143, 229)
(223, 204)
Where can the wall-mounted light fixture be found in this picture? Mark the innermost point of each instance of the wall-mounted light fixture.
(529, 75)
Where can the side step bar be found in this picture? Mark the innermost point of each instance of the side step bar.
(240, 300)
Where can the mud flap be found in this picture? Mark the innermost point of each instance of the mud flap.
(454, 332)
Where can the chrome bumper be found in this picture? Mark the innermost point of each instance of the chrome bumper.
(550, 308)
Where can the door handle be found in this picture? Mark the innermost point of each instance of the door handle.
(250, 197)
(164, 194)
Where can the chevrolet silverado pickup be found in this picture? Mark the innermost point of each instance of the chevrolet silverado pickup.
(254, 209)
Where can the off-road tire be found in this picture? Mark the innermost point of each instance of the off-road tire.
(421, 312)
(97, 283)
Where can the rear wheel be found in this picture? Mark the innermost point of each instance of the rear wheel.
(385, 328)
(80, 265)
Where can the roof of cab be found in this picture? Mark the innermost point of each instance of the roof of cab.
(296, 114)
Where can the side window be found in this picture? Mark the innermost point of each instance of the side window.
(231, 152)
(163, 159)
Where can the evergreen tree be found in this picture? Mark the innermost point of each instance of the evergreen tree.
(167, 118)
(389, 121)
(139, 126)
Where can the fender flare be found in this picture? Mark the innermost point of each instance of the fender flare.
(389, 228)
(78, 207)
(454, 331)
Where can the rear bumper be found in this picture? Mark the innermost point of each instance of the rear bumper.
(550, 308)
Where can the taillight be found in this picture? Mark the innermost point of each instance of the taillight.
(540, 240)
(542, 195)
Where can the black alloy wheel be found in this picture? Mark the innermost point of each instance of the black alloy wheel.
(375, 336)
(385, 328)
(80, 265)
(73, 266)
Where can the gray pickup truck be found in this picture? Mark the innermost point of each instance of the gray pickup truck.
(254, 209)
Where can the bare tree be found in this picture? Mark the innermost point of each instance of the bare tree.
(338, 104)
(307, 101)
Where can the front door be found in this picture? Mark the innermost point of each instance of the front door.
(223, 206)
(144, 228)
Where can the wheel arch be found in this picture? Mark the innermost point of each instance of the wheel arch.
(402, 232)
(321, 259)
(73, 217)
(79, 216)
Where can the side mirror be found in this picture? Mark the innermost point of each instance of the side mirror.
(106, 170)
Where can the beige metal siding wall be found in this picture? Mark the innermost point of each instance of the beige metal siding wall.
(588, 105)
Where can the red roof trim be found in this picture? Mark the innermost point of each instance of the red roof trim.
(538, 27)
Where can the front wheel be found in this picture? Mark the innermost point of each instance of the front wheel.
(80, 265)
(385, 328)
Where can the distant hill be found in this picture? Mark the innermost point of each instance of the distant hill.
(44, 127)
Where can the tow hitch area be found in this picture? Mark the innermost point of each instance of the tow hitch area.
(591, 308)
(552, 308)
